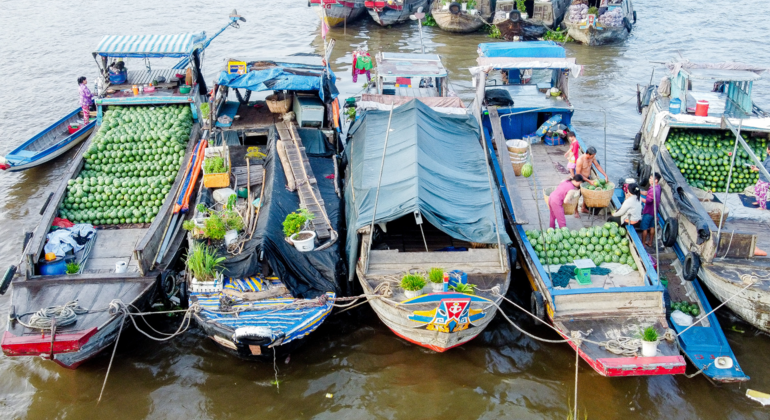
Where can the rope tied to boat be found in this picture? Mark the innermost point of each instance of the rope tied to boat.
(61, 316)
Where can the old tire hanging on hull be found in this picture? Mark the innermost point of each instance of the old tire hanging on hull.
(455, 8)
(670, 231)
(691, 266)
(537, 305)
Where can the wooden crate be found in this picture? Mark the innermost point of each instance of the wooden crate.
(217, 180)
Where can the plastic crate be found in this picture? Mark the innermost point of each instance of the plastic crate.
(220, 180)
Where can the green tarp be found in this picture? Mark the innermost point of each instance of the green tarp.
(434, 164)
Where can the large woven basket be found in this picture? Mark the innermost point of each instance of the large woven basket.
(715, 211)
(569, 208)
(597, 199)
(517, 146)
(279, 103)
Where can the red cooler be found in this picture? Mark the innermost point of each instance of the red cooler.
(702, 108)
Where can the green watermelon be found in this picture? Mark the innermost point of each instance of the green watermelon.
(526, 170)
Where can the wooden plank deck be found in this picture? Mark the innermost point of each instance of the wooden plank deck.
(111, 247)
(255, 117)
(504, 160)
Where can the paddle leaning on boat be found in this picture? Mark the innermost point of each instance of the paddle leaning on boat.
(261, 294)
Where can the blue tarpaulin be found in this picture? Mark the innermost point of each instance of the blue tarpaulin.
(434, 164)
(283, 78)
(530, 49)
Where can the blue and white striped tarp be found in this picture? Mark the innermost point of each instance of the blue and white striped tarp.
(179, 45)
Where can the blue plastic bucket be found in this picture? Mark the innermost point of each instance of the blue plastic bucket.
(56, 267)
(675, 106)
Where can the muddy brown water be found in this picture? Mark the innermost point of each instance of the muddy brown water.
(370, 373)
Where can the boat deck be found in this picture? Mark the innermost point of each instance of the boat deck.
(254, 117)
(113, 246)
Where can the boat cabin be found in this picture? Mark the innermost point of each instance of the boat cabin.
(727, 91)
(127, 76)
(412, 75)
(252, 96)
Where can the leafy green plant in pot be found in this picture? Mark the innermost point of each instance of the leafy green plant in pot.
(203, 263)
(468, 289)
(649, 337)
(436, 277)
(593, 10)
(412, 285)
(296, 229)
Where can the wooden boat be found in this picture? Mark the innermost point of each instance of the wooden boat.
(140, 244)
(339, 12)
(416, 229)
(600, 30)
(724, 258)
(273, 295)
(49, 144)
(387, 13)
(451, 17)
(540, 16)
(410, 75)
(617, 303)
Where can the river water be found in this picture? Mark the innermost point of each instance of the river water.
(353, 367)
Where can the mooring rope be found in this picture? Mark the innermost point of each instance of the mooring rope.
(62, 316)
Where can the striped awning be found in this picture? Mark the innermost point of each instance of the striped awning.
(179, 45)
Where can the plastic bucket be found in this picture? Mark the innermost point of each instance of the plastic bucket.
(675, 106)
(702, 108)
(304, 245)
(56, 267)
(121, 267)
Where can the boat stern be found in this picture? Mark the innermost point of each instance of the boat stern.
(640, 366)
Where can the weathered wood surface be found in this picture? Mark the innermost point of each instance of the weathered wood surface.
(483, 260)
(111, 247)
(726, 279)
(620, 304)
(504, 160)
(254, 118)
(255, 296)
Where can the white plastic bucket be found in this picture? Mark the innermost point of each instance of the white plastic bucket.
(304, 245)
(121, 267)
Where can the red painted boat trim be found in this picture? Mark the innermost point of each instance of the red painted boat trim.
(634, 366)
(35, 345)
(430, 346)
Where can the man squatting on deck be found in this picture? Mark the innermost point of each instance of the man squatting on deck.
(86, 99)
(557, 199)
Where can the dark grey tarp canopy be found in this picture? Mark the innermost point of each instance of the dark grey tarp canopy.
(434, 164)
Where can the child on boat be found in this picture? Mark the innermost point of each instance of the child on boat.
(630, 213)
(86, 99)
(557, 198)
(573, 152)
(651, 206)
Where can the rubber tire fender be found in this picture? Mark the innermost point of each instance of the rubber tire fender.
(670, 231)
(644, 175)
(514, 16)
(537, 305)
(691, 266)
(184, 295)
(637, 140)
(455, 8)
(627, 24)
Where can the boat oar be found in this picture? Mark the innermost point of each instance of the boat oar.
(11, 271)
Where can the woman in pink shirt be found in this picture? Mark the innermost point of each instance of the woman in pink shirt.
(556, 199)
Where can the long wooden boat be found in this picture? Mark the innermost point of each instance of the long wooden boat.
(128, 236)
(724, 258)
(339, 12)
(410, 75)
(540, 17)
(416, 229)
(621, 300)
(451, 17)
(614, 26)
(49, 144)
(273, 295)
(387, 13)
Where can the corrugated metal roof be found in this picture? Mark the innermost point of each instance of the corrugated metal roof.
(178, 45)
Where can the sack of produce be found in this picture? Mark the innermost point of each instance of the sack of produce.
(612, 18)
(578, 13)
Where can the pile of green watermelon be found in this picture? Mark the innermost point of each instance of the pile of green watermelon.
(601, 185)
(686, 307)
(605, 243)
(129, 166)
(703, 157)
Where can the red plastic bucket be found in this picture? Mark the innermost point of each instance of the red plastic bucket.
(73, 128)
(702, 108)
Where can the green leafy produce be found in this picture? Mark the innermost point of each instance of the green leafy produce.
(703, 157)
(130, 166)
(294, 222)
(436, 275)
(413, 282)
(203, 262)
(214, 165)
(468, 289)
(606, 243)
(73, 268)
(649, 334)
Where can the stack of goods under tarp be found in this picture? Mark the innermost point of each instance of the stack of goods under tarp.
(612, 18)
(578, 12)
(129, 167)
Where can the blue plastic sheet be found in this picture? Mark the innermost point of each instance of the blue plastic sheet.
(279, 78)
(539, 49)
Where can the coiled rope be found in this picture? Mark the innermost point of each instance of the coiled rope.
(62, 315)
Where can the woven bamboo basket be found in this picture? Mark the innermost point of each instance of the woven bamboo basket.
(518, 160)
(517, 146)
(569, 208)
(715, 211)
(597, 199)
(279, 103)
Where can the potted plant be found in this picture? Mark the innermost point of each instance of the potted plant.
(436, 277)
(73, 268)
(593, 10)
(204, 265)
(649, 338)
(522, 8)
(468, 289)
(295, 228)
(412, 285)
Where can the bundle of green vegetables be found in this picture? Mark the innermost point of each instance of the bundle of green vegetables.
(703, 157)
(129, 166)
(605, 243)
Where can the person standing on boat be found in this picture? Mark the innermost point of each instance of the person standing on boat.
(556, 200)
(630, 213)
(763, 184)
(573, 153)
(86, 99)
(583, 167)
(651, 206)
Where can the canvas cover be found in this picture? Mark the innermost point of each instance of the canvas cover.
(434, 164)
(531, 49)
(177, 45)
(306, 274)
